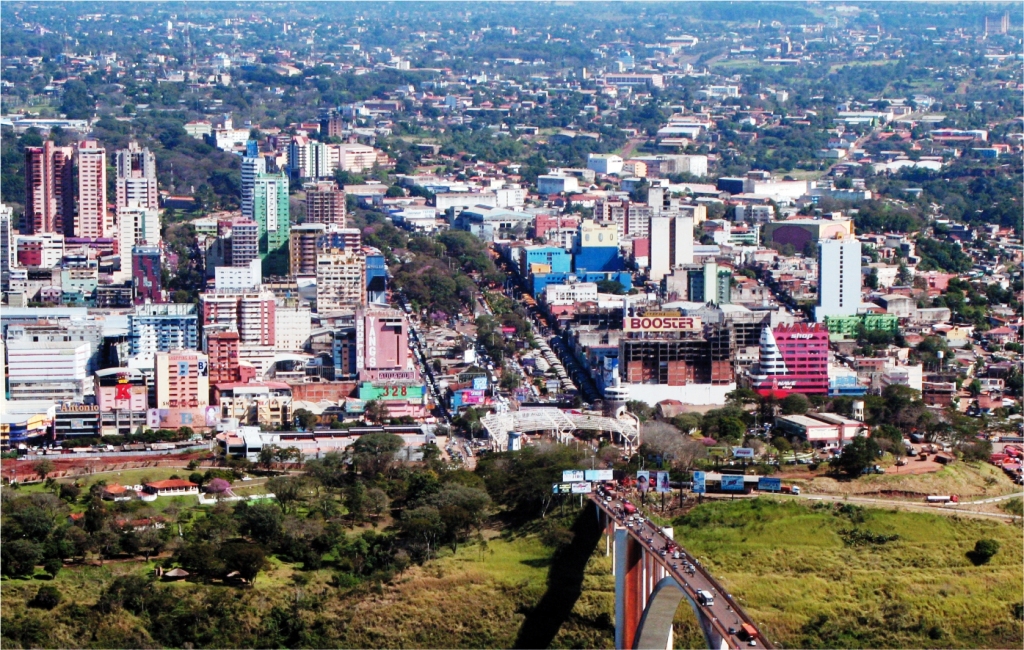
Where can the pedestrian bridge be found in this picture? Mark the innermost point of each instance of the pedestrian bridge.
(625, 429)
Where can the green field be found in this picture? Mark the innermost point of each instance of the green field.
(809, 586)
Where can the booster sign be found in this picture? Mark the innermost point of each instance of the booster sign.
(660, 324)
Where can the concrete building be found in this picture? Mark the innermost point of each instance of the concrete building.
(182, 379)
(798, 233)
(239, 278)
(49, 190)
(671, 244)
(271, 211)
(382, 345)
(136, 226)
(164, 327)
(7, 250)
(596, 247)
(245, 243)
(222, 353)
(146, 276)
(250, 313)
(136, 183)
(839, 278)
(325, 203)
(292, 328)
(557, 184)
(252, 168)
(44, 250)
(40, 366)
(607, 163)
(340, 279)
(92, 219)
(303, 246)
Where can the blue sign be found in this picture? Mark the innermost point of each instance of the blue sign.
(698, 483)
(480, 383)
(769, 484)
(732, 483)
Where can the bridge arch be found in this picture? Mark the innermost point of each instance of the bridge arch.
(655, 629)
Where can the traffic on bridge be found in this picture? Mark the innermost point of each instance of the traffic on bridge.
(646, 561)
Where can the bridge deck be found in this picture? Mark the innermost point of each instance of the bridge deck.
(726, 614)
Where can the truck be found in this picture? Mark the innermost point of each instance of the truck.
(936, 498)
(791, 489)
(628, 507)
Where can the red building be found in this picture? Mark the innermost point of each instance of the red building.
(794, 359)
(325, 203)
(544, 223)
(222, 350)
(49, 189)
(146, 274)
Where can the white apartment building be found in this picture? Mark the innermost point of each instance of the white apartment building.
(161, 327)
(340, 279)
(557, 184)
(136, 226)
(252, 168)
(605, 163)
(839, 278)
(671, 244)
(239, 278)
(570, 294)
(292, 328)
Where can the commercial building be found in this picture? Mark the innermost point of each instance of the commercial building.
(252, 168)
(557, 184)
(7, 250)
(92, 219)
(271, 211)
(47, 369)
(382, 346)
(325, 203)
(821, 430)
(121, 389)
(303, 246)
(160, 328)
(839, 278)
(794, 359)
(607, 163)
(49, 189)
(222, 353)
(239, 278)
(146, 276)
(136, 226)
(671, 244)
(376, 276)
(798, 233)
(44, 250)
(340, 279)
(182, 379)
(709, 283)
(267, 402)
(136, 183)
(596, 248)
(292, 328)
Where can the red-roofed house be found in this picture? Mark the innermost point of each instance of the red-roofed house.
(171, 487)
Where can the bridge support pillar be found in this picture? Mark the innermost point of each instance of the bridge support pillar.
(629, 594)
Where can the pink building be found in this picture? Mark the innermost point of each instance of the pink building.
(382, 345)
(92, 219)
(121, 389)
(49, 189)
(794, 359)
(545, 222)
(250, 313)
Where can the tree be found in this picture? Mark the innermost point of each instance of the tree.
(424, 525)
(795, 404)
(640, 409)
(266, 457)
(374, 453)
(984, 550)
(47, 597)
(287, 490)
(306, 419)
(53, 566)
(43, 467)
(19, 557)
(355, 501)
(375, 411)
(248, 559)
(509, 380)
(260, 521)
(377, 502)
(860, 454)
(197, 478)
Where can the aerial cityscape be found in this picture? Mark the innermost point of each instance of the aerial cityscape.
(512, 324)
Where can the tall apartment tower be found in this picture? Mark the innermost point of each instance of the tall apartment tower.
(146, 275)
(839, 278)
(136, 178)
(7, 253)
(92, 219)
(270, 211)
(252, 168)
(49, 189)
(222, 350)
(245, 242)
(671, 244)
(325, 203)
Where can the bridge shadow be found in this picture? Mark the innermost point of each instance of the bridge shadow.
(564, 584)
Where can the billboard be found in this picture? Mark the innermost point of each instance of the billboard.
(572, 475)
(661, 483)
(742, 452)
(661, 324)
(582, 488)
(473, 396)
(561, 488)
(769, 484)
(480, 383)
(699, 485)
(599, 475)
(643, 481)
(719, 452)
(391, 392)
(732, 483)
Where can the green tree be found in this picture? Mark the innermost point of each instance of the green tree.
(984, 550)
(795, 404)
(374, 453)
(248, 559)
(377, 502)
(375, 411)
(860, 454)
(19, 557)
(43, 468)
(356, 502)
(640, 409)
(306, 419)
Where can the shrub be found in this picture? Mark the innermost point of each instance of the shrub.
(47, 597)
(983, 551)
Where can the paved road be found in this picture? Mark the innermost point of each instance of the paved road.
(945, 509)
(685, 568)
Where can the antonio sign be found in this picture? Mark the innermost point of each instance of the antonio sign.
(649, 323)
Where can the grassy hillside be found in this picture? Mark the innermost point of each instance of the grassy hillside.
(813, 577)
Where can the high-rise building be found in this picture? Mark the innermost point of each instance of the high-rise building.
(382, 345)
(182, 379)
(596, 247)
(92, 219)
(292, 328)
(671, 244)
(222, 351)
(709, 283)
(794, 359)
(49, 189)
(136, 226)
(250, 313)
(146, 274)
(252, 168)
(303, 248)
(245, 243)
(7, 258)
(376, 276)
(332, 125)
(47, 369)
(839, 278)
(162, 327)
(340, 279)
(239, 278)
(325, 203)
(270, 211)
(136, 178)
